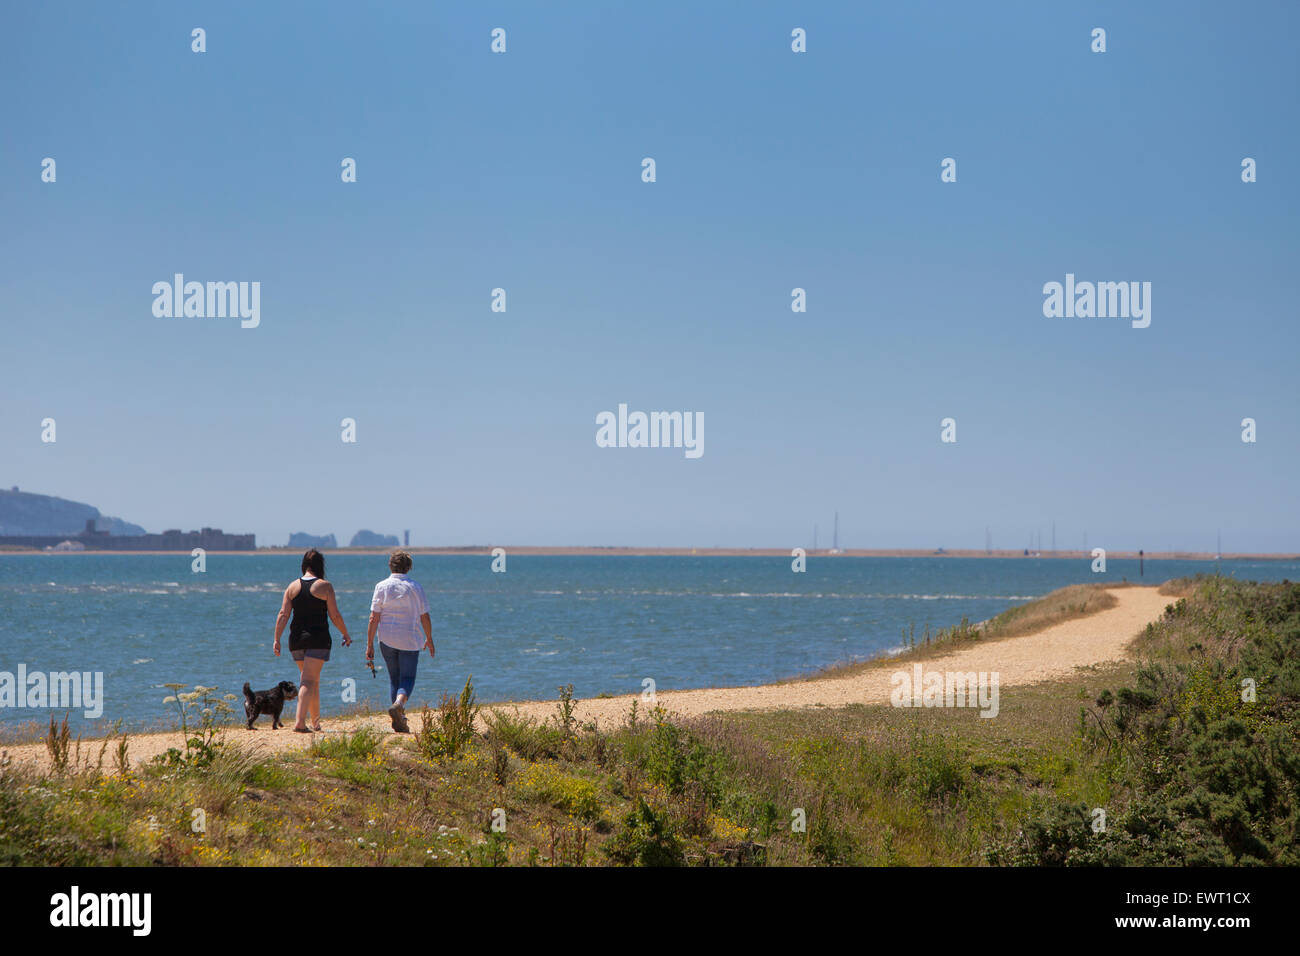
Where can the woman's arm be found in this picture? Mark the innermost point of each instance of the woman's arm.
(428, 632)
(281, 619)
(376, 612)
(332, 608)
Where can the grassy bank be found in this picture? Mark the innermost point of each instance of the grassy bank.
(1185, 770)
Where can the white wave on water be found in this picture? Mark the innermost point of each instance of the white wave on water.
(143, 660)
(847, 597)
(581, 594)
(170, 587)
(616, 592)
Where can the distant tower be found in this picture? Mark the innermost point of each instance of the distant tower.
(835, 542)
(988, 541)
(406, 538)
(1053, 537)
(814, 537)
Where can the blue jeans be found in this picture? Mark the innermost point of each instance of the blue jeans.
(401, 669)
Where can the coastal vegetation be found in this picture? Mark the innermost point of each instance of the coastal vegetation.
(1190, 754)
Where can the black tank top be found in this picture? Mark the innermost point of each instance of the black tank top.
(310, 627)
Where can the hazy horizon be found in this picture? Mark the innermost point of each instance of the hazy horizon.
(822, 542)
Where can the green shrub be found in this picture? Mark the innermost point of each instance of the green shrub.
(828, 843)
(1207, 776)
(545, 783)
(936, 771)
(202, 714)
(645, 838)
(525, 736)
(674, 759)
(357, 745)
(449, 730)
(493, 851)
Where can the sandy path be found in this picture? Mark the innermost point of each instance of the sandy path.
(1051, 653)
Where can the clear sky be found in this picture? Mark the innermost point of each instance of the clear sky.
(775, 170)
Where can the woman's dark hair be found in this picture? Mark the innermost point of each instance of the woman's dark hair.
(314, 562)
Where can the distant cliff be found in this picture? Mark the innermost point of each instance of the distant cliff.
(301, 539)
(368, 539)
(23, 513)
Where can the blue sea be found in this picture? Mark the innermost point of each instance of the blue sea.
(600, 623)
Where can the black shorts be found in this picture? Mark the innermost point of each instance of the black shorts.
(312, 653)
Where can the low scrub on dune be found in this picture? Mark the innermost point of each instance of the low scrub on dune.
(1200, 751)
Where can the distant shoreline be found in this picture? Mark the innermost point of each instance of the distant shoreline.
(553, 551)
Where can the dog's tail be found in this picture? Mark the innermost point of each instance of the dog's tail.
(248, 691)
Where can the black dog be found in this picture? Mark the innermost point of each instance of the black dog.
(270, 702)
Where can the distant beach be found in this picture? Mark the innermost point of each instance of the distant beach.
(621, 551)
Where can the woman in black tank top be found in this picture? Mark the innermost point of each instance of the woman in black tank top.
(310, 627)
(310, 601)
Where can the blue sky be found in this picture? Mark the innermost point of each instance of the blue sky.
(775, 170)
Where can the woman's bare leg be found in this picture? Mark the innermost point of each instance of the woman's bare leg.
(300, 714)
(312, 673)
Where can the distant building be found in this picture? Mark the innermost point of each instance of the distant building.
(209, 539)
(173, 539)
